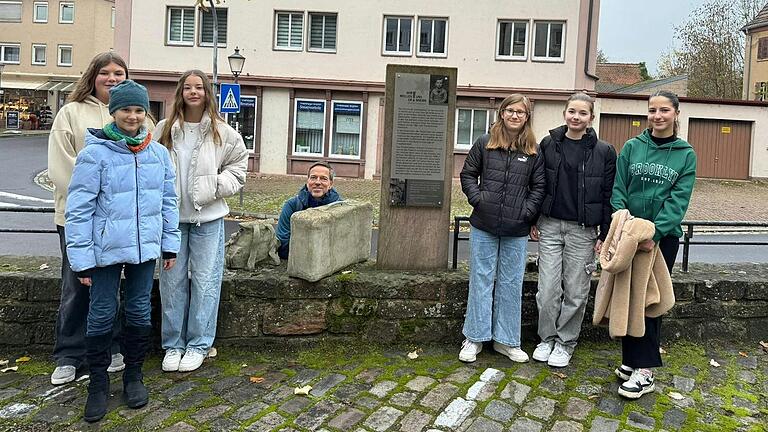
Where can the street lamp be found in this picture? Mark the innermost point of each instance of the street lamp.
(236, 62)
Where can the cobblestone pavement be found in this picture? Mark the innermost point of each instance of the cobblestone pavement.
(363, 388)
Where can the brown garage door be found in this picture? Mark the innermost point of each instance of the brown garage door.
(722, 147)
(618, 128)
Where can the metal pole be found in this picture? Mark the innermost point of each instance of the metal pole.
(238, 131)
(456, 225)
(215, 47)
(687, 246)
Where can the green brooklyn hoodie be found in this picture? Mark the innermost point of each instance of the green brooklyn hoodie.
(655, 182)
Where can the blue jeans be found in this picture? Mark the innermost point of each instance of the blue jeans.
(190, 290)
(494, 314)
(105, 296)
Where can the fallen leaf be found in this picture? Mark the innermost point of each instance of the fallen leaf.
(713, 362)
(302, 390)
(243, 365)
(23, 359)
(44, 266)
(764, 345)
(743, 354)
(413, 355)
(560, 375)
(676, 396)
(12, 368)
(661, 350)
(3, 362)
(346, 272)
(593, 396)
(255, 379)
(213, 352)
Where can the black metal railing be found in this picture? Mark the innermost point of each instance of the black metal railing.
(27, 210)
(686, 240)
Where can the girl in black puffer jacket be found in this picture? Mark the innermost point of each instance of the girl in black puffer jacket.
(503, 179)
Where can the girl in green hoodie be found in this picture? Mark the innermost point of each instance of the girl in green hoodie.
(655, 173)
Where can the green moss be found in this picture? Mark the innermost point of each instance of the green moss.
(346, 277)
(34, 367)
(5, 267)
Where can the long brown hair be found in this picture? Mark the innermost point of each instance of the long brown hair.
(178, 108)
(86, 85)
(501, 138)
(674, 100)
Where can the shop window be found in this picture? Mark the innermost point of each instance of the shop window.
(40, 12)
(397, 35)
(181, 26)
(10, 53)
(38, 54)
(10, 11)
(206, 27)
(65, 55)
(433, 34)
(470, 125)
(309, 128)
(322, 32)
(245, 121)
(347, 129)
(548, 42)
(66, 13)
(289, 31)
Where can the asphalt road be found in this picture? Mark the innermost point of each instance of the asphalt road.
(25, 157)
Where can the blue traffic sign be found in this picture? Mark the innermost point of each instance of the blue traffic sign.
(229, 98)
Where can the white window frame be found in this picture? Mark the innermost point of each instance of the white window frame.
(21, 11)
(511, 56)
(384, 51)
(296, 124)
(322, 15)
(3, 46)
(290, 27)
(548, 58)
(183, 10)
(35, 47)
(35, 17)
(62, 5)
(112, 17)
(199, 24)
(58, 56)
(490, 113)
(359, 132)
(255, 118)
(419, 52)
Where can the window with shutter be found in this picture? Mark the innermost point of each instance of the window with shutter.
(206, 27)
(762, 48)
(181, 26)
(289, 31)
(322, 32)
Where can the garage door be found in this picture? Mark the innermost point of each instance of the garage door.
(618, 128)
(722, 147)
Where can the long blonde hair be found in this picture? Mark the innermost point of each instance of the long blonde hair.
(178, 108)
(86, 85)
(501, 138)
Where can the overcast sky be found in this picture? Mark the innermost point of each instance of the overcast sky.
(633, 32)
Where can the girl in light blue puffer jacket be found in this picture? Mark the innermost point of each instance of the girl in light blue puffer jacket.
(121, 215)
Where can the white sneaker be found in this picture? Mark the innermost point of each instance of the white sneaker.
(469, 350)
(117, 363)
(639, 383)
(514, 353)
(623, 372)
(172, 359)
(63, 374)
(560, 357)
(192, 360)
(543, 350)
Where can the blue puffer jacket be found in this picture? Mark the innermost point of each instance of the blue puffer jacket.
(121, 206)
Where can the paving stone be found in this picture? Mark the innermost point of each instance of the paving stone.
(420, 383)
(180, 427)
(748, 405)
(640, 421)
(244, 393)
(598, 373)
(267, 423)
(403, 372)
(674, 419)
(578, 409)
(462, 375)
(226, 384)
(612, 406)
(158, 384)
(482, 424)
(500, 411)
(403, 399)
(748, 377)
(523, 424)
(9, 379)
(415, 421)
(249, 411)
(684, 384)
(383, 418)
(541, 407)
(321, 387)
(381, 389)
(57, 414)
(553, 384)
(304, 377)
(347, 420)
(206, 414)
(129, 413)
(747, 362)
(567, 426)
(588, 389)
(296, 405)
(6, 394)
(492, 375)
(16, 410)
(527, 371)
(278, 395)
(224, 424)
(439, 396)
(455, 413)
(367, 402)
(155, 418)
(209, 371)
(515, 391)
(602, 424)
(369, 375)
(685, 402)
(349, 392)
(192, 400)
(179, 389)
(316, 416)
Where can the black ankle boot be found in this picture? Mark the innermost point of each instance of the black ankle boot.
(135, 344)
(98, 355)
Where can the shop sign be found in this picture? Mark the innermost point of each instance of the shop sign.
(12, 120)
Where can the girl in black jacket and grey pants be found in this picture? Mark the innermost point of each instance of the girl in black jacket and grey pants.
(580, 171)
(503, 179)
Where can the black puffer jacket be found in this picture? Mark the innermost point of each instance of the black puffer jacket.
(507, 198)
(595, 177)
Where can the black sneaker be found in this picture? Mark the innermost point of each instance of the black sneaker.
(623, 372)
(639, 383)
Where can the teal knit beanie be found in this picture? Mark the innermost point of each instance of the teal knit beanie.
(128, 93)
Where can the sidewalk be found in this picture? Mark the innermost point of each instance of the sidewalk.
(363, 388)
(15, 133)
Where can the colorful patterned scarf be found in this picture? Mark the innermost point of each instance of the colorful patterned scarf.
(135, 144)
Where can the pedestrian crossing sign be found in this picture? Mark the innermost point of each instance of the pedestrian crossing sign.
(229, 98)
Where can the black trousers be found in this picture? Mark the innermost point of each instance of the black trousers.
(643, 352)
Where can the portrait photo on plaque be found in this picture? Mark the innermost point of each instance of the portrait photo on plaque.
(438, 90)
